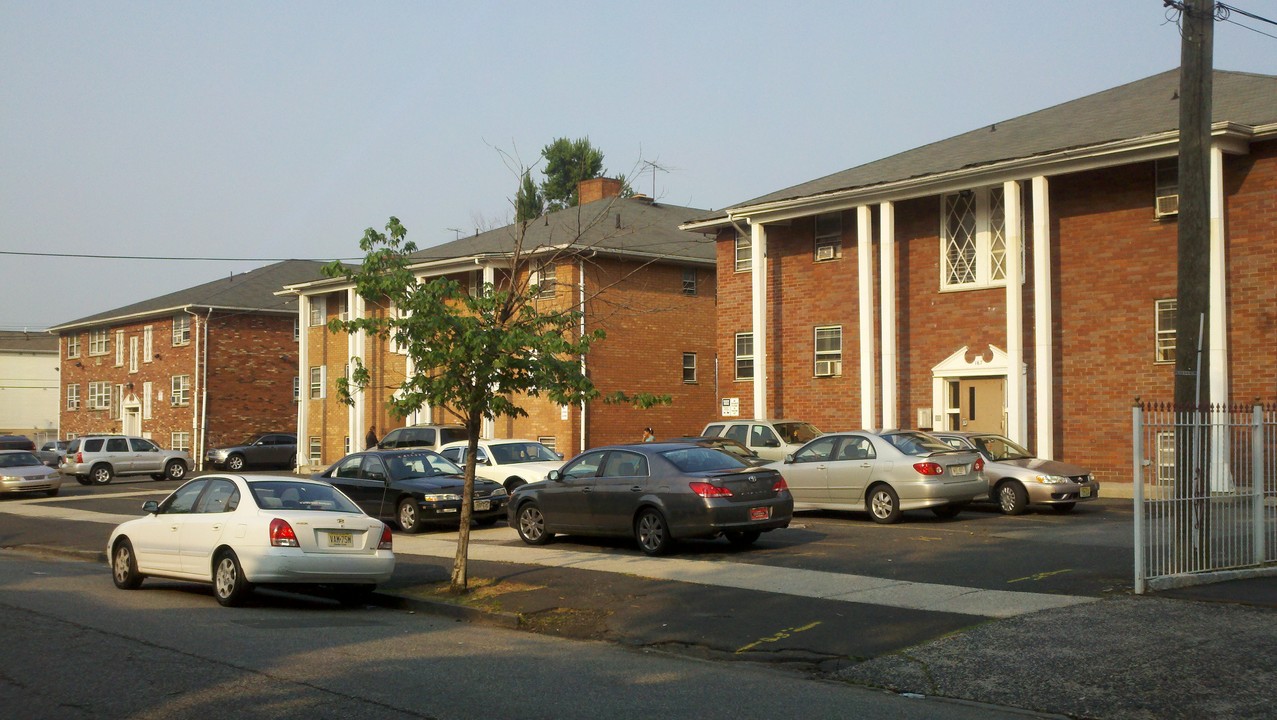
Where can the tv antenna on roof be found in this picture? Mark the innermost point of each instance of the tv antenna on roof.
(457, 231)
(654, 167)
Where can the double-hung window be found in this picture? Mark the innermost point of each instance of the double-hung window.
(73, 396)
(828, 241)
(689, 281)
(181, 390)
(73, 346)
(99, 342)
(1165, 313)
(829, 351)
(745, 356)
(318, 311)
(744, 253)
(317, 382)
(973, 239)
(544, 278)
(99, 395)
(689, 367)
(181, 329)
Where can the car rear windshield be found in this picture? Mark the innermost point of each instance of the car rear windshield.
(290, 495)
(918, 444)
(701, 459)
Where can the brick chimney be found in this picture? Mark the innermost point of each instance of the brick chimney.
(597, 188)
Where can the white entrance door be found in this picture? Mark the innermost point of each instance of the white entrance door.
(132, 419)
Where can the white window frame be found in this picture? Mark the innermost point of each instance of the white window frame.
(73, 396)
(73, 346)
(133, 346)
(181, 330)
(99, 342)
(827, 241)
(744, 245)
(982, 249)
(297, 329)
(148, 343)
(545, 277)
(318, 311)
(315, 450)
(180, 391)
(1165, 446)
(828, 362)
(99, 395)
(317, 384)
(692, 367)
(297, 388)
(180, 440)
(744, 357)
(1164, 315)
(119, 348)
(547, 440)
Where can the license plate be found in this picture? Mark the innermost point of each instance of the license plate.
(481, 505)
(1086, 491)
(760, 513)
(959, 469)
(340, 539)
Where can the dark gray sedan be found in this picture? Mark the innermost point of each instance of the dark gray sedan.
(657, 492)
(266, 450)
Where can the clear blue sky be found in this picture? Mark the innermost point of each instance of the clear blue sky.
(283, 129)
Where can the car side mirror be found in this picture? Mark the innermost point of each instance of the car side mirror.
(554, 476)
(377, 477)
(789, 459)
(771, 443)
(559, 454)
(150, 507)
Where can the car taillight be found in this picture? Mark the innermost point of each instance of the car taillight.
(386, 538)
(979, 464)
(79, 457)
(780, 485)
(706, 490)
(929, 468)
(282, 535)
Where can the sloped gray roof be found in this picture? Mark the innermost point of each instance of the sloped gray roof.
(36, 342)
(616, 225)
(250, 291)
(1137, 109)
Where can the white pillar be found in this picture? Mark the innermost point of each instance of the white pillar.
(303, 381)
(1017, 426)
(1221, 477)
(864, 260)
(887, 278)
(1043, 359)
(355, 425)
(758, 278)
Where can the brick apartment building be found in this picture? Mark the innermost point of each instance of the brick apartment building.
(194, 369)
(879, 296)
(649, 285)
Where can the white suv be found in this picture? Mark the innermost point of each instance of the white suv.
(430, 437)
(97, 459)
(771, 439)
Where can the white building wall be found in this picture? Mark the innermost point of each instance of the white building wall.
(29, 394)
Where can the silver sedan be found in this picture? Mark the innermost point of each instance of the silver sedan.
(884, 472)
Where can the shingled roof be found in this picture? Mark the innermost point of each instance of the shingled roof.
(32, 342)
(253, 291)
(1135, 110)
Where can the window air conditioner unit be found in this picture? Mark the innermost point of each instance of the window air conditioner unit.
(828, 368)
(1167, 205)
(825, 252)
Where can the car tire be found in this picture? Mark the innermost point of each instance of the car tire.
(652, 533)
(1063, 508)
(83, 479)
(1013, 499)
(948, 511)
(101, 474)
(884, 504)
(235, 463)
(743, 538)
(229, 584)
(175, 470)
(124, 566)
(512, 483)
(408, 515)
(531, 525)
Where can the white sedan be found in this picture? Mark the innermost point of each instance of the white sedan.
(236, 532)
(509, 462)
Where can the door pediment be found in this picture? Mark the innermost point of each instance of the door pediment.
(958, 365)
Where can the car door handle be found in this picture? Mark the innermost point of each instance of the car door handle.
(216, 528)
(172, 528)
(636, 488)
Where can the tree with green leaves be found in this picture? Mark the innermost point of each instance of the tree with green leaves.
(475, 355)
(567, 163)
(529, 204)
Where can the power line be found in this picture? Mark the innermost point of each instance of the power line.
(98, 256)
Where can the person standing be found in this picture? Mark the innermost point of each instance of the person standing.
(370, 440)
(648, 435)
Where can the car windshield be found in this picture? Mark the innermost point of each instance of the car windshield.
(797, 433)
(509, 453)
(421, 464)
(996, 447)
(252, 439)
(17, 459)
(915, 443)
(701, 459)
(292, 495)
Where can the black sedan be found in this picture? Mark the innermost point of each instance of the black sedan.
(657, 492)
(413, 487)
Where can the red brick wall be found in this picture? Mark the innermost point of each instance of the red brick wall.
(252, 360)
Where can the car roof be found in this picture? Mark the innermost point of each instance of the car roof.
(8, 451)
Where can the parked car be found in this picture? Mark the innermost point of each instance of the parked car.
(885, 473)
(276, 449)
(21, 471)
(742, 453)
(16, 442)
(771, 439)
(656, 492)
(509, 462)
(98, 459)
(1018, 480)
(52, 451)
(413, 488)
(238, 532)
(430, 437)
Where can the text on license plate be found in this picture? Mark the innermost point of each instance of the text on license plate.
(1085, 491)
(760, 513)
(481, 505)
(340, 539)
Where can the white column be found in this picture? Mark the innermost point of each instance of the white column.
(864, 260)
(1043, 358)
(1221, 477)
(355, 426)
(303, 380)
(758, 278)
(488, 427)
(887, 277)
(1017, 426)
